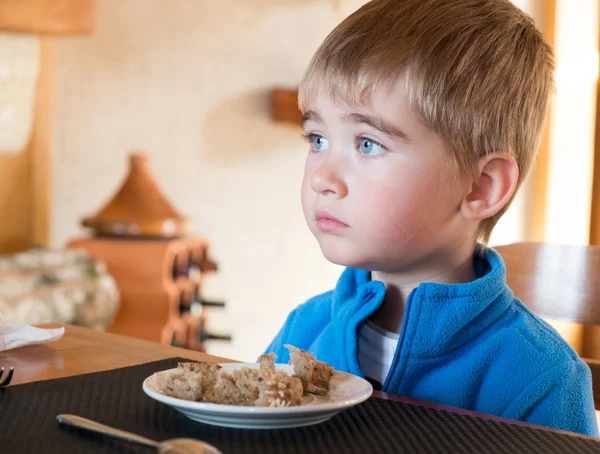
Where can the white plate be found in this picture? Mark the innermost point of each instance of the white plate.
(345, 391)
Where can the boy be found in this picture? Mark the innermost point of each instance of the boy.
(423, 118)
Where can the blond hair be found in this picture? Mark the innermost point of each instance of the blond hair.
(479, 73)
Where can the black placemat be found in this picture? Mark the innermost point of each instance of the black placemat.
(28, 424)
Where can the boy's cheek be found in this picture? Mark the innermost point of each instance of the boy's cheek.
(306, 196)
(401, 217)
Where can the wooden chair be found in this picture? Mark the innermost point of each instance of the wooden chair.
(558, 282)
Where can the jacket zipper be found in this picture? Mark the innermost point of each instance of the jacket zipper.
(389, 379)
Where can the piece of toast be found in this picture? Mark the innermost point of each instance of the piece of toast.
(237, 388)
(190, 381)
(315, 375)
(279, 390)
(208, 373)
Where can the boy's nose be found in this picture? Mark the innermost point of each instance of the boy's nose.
(327, 180)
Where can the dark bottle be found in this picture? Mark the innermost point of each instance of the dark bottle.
(180, 268)
(193, 267)
(198, 304)
(204, 335)
(184, 305)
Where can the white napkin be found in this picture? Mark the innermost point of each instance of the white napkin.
(15, 335)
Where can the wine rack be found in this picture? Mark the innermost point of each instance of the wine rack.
(160, 282)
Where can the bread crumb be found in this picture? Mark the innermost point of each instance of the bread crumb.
(267, 363)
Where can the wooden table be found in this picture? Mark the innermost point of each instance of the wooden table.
(82, 351)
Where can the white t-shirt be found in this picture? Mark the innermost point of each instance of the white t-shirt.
(376, 348)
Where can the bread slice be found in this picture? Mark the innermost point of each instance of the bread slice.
(315, 375)
(190, 381)
(180, 385)
(248, 381)
(226, 392)
(208, 375)
(279, 390)
(237, 388)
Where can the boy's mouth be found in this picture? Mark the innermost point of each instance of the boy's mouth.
(328, 223)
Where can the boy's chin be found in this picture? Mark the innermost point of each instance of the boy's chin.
(345, 258)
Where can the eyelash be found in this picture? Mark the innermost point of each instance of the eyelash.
(309, 137)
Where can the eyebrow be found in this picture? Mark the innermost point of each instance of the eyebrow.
(310, 115)
(374, 122)
(378, 123)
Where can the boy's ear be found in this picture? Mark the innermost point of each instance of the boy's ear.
(492, 187)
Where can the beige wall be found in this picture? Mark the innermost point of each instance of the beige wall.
(187, 81)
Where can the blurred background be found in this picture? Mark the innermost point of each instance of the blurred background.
(185, 106)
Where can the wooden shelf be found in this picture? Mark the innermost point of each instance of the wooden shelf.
(150, 293)
(284, 106)
(53, 17)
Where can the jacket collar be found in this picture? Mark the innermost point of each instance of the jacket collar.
(438, 317)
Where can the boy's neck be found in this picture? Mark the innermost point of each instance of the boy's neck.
(398, 286)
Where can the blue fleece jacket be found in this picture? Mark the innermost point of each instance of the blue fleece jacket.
(473, 346)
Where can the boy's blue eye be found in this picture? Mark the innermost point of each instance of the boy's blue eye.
(370, 147)
(318, 143)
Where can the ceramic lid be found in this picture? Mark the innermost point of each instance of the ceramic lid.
(138, 208)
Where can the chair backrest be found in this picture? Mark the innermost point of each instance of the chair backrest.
(556, 281)
(560, 282)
